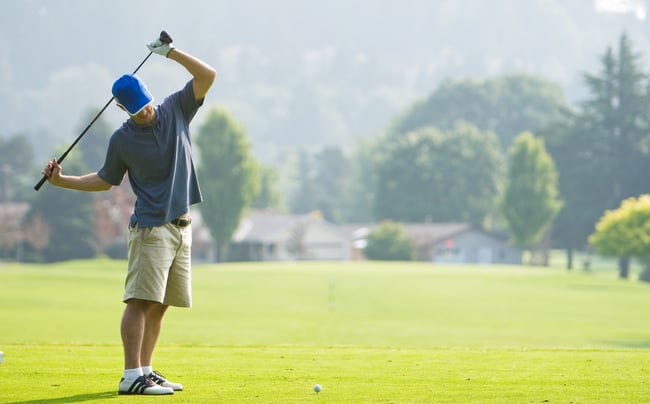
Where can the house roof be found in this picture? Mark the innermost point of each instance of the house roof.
(265, 226)
(420, 234)
(433, 233)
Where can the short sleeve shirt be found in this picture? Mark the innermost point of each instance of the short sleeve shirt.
(158, 160)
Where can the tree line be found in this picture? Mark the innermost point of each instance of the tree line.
(506, 152)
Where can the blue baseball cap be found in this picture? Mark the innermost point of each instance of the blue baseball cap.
(131, 93)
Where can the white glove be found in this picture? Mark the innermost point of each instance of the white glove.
(160, 47)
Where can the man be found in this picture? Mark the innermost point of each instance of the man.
(153, 146)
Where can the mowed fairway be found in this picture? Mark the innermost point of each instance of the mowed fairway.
(367, 332)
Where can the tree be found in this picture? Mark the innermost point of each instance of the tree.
(389, 243)
(322, 179)
(601, 151)
(63, 218)
(361, 183)
(16, 160)
(625, 232)
(530, 200)
(94, 143)
(268, 196)
(580, 184)
(304, 198)
(428, 175)
(506, 105)
(228, 176)
(331, 171)
(618, 115)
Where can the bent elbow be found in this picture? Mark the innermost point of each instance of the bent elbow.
(211, 76)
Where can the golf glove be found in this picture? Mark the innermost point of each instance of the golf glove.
(160, 47)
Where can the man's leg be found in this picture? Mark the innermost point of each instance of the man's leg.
(133, 331)
(133, 328)
(152, 324)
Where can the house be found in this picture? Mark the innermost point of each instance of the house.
(449, 243)
(268, 236)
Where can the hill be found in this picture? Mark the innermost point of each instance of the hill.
(294, 73)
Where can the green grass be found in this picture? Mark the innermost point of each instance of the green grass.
(367, 332)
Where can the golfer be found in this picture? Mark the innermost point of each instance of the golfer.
(153, 146)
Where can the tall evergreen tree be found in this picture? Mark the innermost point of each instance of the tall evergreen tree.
(602, 151)
(618, 114)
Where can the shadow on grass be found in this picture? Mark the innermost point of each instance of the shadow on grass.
(79, 398)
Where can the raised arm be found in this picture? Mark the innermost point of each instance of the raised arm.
(202, 73)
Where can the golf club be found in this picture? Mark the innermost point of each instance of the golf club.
(165, 38)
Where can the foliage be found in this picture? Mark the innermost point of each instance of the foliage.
(16, 159)
(268, 196)
(580, 183)
(601, 151)
(95, 142)
(321, 183)
(506, 105)
(530, 201)
(227, 173)
(303, 199)
(59, 222)
(428, 175)
(625, 231)
(388, 242)
(617, 114)
(361, 185)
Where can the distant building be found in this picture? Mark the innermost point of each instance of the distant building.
(268, 236)
(448, 243)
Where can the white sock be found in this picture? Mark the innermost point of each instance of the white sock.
(147, 370)
(132, 374)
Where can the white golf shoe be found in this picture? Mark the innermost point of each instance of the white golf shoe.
(160, 380)
(143, 385)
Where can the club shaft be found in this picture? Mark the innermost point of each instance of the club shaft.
(65, 154)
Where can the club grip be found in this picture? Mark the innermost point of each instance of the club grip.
(165, 38)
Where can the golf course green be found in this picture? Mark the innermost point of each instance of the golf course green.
(367, 332)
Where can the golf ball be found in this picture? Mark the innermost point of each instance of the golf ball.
(317, 388)
(2, 357)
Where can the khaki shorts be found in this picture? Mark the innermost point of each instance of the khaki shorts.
(160, 265)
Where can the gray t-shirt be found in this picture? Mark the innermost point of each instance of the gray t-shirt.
(158, 160)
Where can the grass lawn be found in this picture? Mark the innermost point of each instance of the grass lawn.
(367, 332)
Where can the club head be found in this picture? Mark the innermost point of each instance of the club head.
(165, 38)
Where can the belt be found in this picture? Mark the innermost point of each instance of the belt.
(181, 222)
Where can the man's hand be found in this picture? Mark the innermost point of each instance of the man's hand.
(159, 47)
(52, 171)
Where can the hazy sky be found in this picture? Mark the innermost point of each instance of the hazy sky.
(293, 72)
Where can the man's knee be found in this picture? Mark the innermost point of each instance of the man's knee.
(140, 305)
(157, 309)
